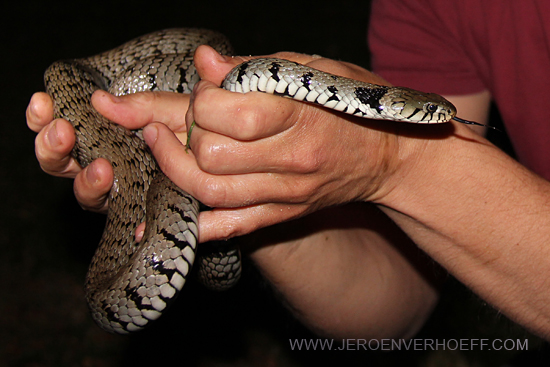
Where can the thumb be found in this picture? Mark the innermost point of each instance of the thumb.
(212, 66)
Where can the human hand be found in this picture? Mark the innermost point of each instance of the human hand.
(260, 159)
(280, 264)
(235, 171)
(56, 138)
(53, 146)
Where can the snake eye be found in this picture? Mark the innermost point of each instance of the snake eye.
(431, 107)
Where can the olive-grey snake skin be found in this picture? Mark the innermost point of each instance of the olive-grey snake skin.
(130, 284)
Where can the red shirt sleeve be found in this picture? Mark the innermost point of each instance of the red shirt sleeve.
(454, 47)
(417, 44)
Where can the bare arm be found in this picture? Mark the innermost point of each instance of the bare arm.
(381, 278)
(480, 214)
(349, 272)
(485, 218)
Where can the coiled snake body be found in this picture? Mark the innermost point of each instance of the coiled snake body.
(129, 284)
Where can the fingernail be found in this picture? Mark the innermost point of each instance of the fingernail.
(223, 58)
(91, 174)
(150, 134)
(32, 109)
(52, 135)
(112, 98)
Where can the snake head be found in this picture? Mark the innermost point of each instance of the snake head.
(408, 104)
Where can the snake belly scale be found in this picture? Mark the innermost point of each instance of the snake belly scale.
(130, 284)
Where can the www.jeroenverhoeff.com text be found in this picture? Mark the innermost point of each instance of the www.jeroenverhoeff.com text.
(407, 345)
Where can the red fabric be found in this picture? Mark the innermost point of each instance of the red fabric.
(455, 47)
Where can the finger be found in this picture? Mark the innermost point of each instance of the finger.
(93, 184)
(219, 190)
(136, 110)
(39, 112)
(53, 146)
(292, 151)
(220, 224)
(251, 116)
(214, 67)
(254, 112)
(247, 116)
(140, 231)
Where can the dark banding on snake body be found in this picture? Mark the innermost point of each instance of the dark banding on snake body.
(342, 94)
(274, 70)
(306, 80)
(334, 97)
(128, 283)
(242, 72)
(347, 95)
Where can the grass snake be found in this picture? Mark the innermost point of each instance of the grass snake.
(130, 284)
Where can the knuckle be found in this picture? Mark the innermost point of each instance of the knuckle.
(303, 191)
(81, 192)
(209, 155)
(202, 101)
(309, 163)
(251, 119)
(88, 197)
(145, 99)
(333, 66)
(36, 116)
(48, 160)
(211, 192)
(305, 161)
(226, 231)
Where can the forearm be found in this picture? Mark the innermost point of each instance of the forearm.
(348, 253)
(482, 216)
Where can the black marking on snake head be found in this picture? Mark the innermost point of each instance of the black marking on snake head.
(274, 70)
(370, 96)
(416, 110)
(306, 79)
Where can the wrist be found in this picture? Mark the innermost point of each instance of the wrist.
(435, 168)
(418, 150)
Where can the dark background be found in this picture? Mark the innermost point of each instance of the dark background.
(46, 240)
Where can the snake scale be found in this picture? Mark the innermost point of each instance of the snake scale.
(130, 284)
